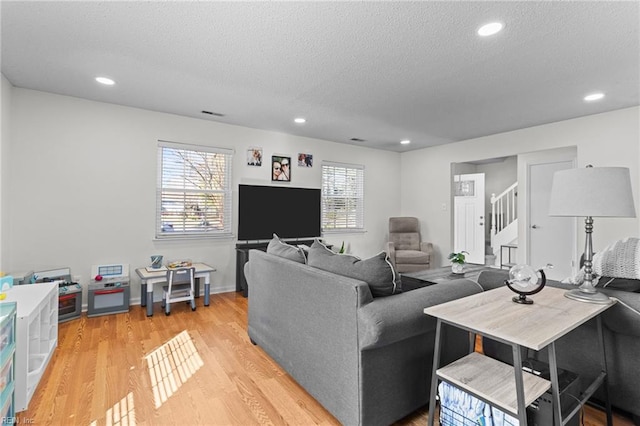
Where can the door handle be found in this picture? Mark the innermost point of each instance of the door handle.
(481, 223)
(534, 227)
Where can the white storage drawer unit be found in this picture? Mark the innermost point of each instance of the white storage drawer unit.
(7, 350)
(36, 336)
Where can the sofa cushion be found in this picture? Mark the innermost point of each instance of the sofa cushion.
(280, 248)
(376, 271)
(413, 257)
(624, 284)
(406, 240)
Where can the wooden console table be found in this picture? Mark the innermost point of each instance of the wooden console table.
(536, 326)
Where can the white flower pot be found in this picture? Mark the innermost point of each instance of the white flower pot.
(457, 268)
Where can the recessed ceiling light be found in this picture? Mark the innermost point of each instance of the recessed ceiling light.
(405, 142)
(300, 120)
(594, 97)
(490, 29)
(105, 80)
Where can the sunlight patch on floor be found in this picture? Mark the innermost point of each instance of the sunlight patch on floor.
(121, 414)
(171, 365)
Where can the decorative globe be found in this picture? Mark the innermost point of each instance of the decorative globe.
(523, 277)
(525, 280)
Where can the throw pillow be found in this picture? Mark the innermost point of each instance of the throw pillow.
(376, 271)
(616, 266)
(280, 248)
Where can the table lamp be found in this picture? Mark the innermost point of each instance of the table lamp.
(591, 192)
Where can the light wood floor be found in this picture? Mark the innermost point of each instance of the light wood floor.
(118, 369)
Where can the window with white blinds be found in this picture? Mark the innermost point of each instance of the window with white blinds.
(193, 191)
(342, 197)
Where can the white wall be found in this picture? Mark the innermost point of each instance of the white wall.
(609, 139)
(83, 177)
(78, 180)
(5, 103)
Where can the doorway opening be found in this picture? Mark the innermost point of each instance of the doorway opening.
(489, 216)
(514, 221)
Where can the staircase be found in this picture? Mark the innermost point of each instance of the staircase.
(504, 220)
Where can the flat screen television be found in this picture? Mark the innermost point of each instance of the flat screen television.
(282, 210)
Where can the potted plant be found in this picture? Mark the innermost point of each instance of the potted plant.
(457, 262)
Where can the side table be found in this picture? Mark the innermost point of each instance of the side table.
(536, 327)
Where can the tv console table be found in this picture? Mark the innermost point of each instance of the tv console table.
(242, 257)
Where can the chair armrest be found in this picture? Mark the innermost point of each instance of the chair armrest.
(427, 248)
(390, 319)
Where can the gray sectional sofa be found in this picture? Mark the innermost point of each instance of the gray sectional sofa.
(366, 360)
(578, 351)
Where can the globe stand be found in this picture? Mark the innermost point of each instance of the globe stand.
(522, 299)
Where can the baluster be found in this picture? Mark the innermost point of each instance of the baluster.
(493, 214)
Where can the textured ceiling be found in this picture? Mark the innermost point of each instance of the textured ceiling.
(378, 71)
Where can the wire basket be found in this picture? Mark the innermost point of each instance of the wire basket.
(458, 408)
(448, 417)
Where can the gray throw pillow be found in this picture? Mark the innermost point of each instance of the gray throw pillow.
(280, 248)
(376, 271)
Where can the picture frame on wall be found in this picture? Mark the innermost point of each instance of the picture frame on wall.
(254, 156)
(305, 160)
(280, 168)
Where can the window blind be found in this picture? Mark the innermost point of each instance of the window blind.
(342, 197)
(193, 191)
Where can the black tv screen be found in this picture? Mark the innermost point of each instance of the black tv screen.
(285, 211)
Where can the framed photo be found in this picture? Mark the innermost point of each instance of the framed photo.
(254, 157)
(280, 168)
(305, 160)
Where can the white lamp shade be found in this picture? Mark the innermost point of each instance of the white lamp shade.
(592, 191)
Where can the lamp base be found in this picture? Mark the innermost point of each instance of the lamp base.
(583, 296)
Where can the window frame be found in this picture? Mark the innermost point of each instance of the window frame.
(343, 170)
(226, 192)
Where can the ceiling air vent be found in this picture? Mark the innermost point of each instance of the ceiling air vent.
(356, 140)
(216, 114)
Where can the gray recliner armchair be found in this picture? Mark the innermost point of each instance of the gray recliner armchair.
(406, 252)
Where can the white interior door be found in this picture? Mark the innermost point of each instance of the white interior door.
(550, 238)
(469, 220)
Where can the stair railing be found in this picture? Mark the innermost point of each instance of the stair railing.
(504, 209)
